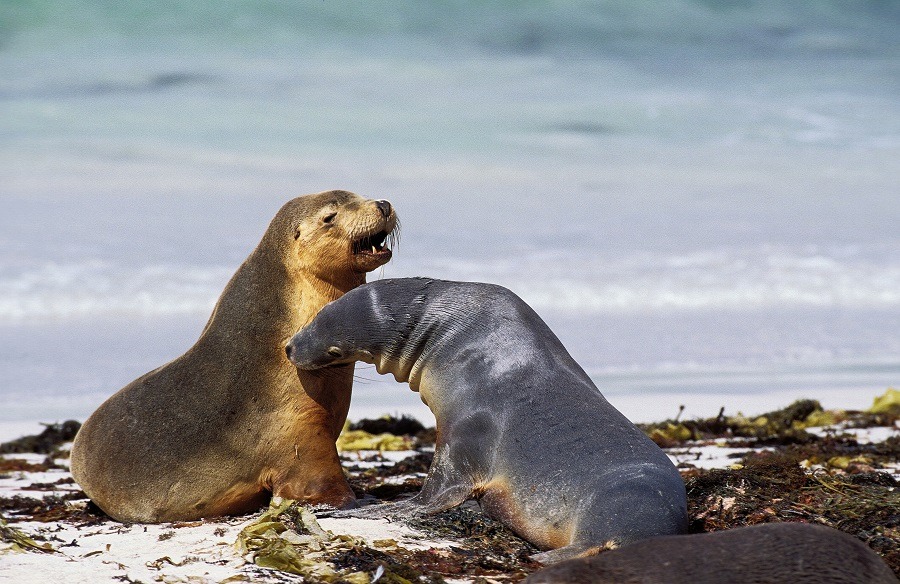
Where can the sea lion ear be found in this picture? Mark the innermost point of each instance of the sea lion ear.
(297, 232)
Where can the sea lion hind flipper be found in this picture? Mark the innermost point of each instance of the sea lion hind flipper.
(575, 550)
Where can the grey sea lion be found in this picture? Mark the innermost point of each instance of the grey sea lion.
(520, 426)
(773, 553)
(218, 429)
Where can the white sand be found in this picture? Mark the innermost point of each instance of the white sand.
(204, 551)
(194, 551)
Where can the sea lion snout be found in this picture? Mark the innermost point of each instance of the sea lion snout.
(384, 206)
(298, 352)
(333, 336)
(374, 235)
(305, 354)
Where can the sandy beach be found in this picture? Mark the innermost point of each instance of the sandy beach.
(52, 533)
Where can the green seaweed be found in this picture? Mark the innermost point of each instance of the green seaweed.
(887, 403)
(786, 425)
(352, 440)
(19, 542)
(288, 538)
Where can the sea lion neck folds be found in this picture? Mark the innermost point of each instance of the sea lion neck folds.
(218, 429)
(520, 426)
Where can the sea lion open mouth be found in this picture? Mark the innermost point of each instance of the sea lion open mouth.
(373, 245)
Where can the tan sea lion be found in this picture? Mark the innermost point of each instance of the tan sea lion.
(520, 426)
(217, 430)
(773, 553)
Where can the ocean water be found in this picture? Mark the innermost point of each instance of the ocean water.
(700, 197)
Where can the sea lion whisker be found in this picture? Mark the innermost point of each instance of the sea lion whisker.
(394, 235)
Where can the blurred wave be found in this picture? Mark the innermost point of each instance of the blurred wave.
(87, 289)
(570, 282)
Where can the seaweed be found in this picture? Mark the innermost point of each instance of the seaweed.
(352, 440)
(385, 433)
(47, 442)
(775, 486)
(288, 538)
(402, 426)
(887, 403)
(17, 541)
(18, 465)
(374, 481)
(70, 507)
(826, 477)
(780, 427)
(786, 425)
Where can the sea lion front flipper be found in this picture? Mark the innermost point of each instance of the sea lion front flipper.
(412, 507)
(315, 484)
(429, 502)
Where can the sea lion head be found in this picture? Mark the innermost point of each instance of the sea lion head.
(341, 333)
(372, 324)
(332, 232)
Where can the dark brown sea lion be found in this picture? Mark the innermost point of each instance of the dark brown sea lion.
(774, 553)
(218, 429)
(520, 426)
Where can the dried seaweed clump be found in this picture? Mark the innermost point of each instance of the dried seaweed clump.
(13, 540)
(490, 544)
(47, 442)
(784, 425)
(288, 538)
(887, 403)
(402, 426)
(385, 433)
(354, 440)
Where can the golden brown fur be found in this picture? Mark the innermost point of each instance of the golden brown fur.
(218, 429)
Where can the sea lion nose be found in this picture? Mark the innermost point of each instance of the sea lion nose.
(287, 351)
(384, 207)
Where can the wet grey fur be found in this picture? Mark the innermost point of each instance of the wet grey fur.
(521, 427)
(789, 553)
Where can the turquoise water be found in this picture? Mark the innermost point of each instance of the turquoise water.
(700, 197)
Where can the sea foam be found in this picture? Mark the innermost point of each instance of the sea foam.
(572, 281)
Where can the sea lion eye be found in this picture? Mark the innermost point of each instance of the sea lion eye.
(335, 352)
(329, 218)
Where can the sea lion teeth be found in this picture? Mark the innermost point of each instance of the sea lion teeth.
(231, 422)
(520, 426)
